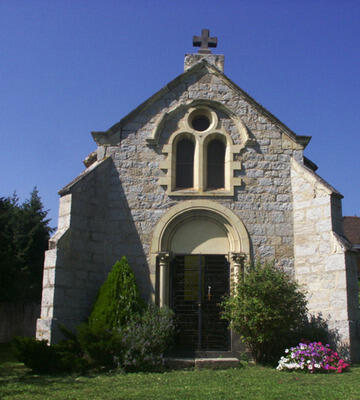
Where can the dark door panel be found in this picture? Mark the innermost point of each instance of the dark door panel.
(198, 284)
(215, 334)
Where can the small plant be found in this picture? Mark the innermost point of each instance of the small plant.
(312, 357)
(35, 354)
(102, 346)
(42, 358)
(121, 331)
(146, 338)
(265, 309)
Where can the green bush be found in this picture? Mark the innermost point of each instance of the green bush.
(102, 346)
(35, 354)
(138, 345)
(146, 338)
(117, 302)
(71, 356)
(42, 358)
(118, 299)
(265, 309)
(121, 332)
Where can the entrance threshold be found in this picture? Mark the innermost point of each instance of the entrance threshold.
(202, 359)
(201, 362)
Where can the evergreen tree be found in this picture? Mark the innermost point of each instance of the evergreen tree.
(7, 248)
(118, 299)
(24, 234)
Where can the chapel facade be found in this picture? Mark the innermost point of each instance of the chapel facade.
(192, 185)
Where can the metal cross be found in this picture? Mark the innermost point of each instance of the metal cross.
(204, 42)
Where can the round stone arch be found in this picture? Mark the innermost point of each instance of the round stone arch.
(197, 227)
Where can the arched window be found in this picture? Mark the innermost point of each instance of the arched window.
(185, 164)
(215, 164)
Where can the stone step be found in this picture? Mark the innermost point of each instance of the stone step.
(207, 362)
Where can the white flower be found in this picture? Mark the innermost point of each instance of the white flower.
(317, 365)
(310, 367)
(286, 350)
(293, 365)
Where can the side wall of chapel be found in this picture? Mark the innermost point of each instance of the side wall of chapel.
(323, 264)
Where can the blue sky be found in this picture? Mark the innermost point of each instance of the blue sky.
(73, 66)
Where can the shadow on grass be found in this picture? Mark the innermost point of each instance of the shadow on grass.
(13, 371)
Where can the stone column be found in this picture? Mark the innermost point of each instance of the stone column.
(164, 259)
(238, 260)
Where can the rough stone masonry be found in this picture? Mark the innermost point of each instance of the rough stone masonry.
(272, 204)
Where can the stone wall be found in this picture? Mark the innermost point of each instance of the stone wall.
(322, 263)
(263, 202)
(78, 259)
(112, 209)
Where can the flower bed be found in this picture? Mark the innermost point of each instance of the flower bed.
(312, 357)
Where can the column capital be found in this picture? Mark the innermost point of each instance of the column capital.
(164, 257)
(238, 258)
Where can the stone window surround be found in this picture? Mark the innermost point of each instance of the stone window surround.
(201, 140)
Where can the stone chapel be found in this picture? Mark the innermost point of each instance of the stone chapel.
(193, 184)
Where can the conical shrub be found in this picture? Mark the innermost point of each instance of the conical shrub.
(118, 299)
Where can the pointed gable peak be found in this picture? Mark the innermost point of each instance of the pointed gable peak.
(204, 53)
(217, 60)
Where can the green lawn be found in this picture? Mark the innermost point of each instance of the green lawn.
(246, 382)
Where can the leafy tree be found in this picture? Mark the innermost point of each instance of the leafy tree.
(265, 309)
(24, 234)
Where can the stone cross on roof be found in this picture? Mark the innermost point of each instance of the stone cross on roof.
(204, 42)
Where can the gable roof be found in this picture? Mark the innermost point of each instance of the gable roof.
(352, 229)
(106, 136)
(87, 172)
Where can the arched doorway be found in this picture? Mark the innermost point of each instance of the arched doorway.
(200, 247)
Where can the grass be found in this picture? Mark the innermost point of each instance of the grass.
(245, 382)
